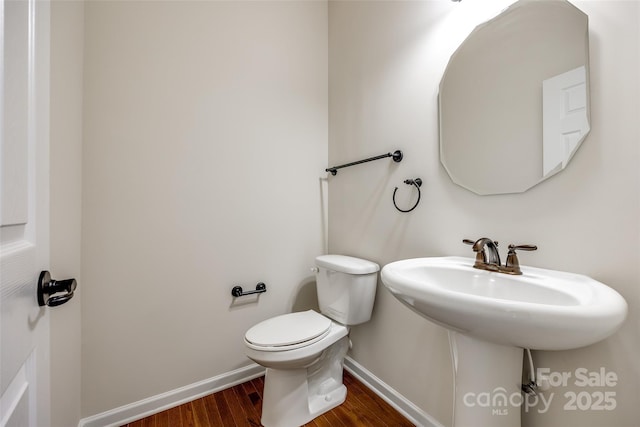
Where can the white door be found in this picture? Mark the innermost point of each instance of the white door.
(24, 212)
(565, 119)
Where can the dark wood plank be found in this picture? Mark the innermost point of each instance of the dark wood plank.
(173, 417)
(247, 405)
(233, 404)
(362, 414)
(321, 421)
(162, 419)
(224, 411)
(329, 419)
(346, 417)
(251, 401)
(366, 400)
(213, 413)
(186, 415)
(200, 417)
(258, 384)
(149, 421)
(145, 422)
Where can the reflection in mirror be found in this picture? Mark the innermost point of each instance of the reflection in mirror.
(514, 99)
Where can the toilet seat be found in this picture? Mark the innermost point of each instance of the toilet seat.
(288, 331)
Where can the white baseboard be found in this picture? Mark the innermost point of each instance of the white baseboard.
(161, 402)
(389, 395)
(154, 404)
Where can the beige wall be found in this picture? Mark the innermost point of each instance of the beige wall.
(205, 135)
(386, 60)
(192, 113)
(67, 19)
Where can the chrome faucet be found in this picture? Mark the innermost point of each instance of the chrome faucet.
(488, 257)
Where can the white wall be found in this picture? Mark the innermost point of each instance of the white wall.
(205, 136)
(67, 19)
(386, 60)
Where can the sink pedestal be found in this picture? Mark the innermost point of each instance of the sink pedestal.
(488, 378)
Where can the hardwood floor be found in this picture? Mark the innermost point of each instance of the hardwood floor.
(240, 406)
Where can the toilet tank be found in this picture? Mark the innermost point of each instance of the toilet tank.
(346, 288)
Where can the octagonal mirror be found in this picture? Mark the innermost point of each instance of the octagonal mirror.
(514, 98)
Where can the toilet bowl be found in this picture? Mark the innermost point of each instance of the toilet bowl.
(304, 351)
(303, 379)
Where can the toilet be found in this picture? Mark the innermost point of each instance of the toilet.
(304, 351)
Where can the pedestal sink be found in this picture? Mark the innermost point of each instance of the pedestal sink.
(492, 316)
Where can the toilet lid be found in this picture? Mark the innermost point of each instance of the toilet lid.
(289, 330)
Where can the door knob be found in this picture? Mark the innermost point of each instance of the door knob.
(47, 287)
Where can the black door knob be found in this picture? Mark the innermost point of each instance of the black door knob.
(54, 292)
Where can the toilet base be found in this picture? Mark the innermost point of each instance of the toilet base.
(293, 397)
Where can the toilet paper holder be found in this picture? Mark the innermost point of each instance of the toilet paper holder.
(238, 292)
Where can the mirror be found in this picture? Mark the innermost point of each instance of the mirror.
(514, 98)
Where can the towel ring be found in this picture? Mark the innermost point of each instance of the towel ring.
(416, 183)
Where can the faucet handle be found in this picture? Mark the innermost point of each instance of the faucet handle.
(512, 264)
(513, 248)
(480, 257)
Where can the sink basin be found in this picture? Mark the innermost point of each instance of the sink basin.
(541, 309)
(492, 316)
